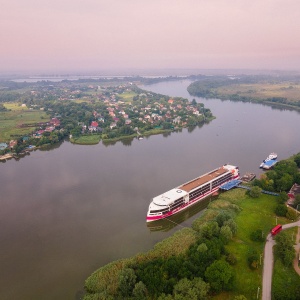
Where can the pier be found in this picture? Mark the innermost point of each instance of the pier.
(237, 183)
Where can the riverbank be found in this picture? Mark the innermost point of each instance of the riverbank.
(249, 217)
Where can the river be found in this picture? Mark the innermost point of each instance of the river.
(68, 211)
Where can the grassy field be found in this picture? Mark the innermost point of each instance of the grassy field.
(284, 279)
(87, 139)
(10, 120)
(127, 96)
(255, 214)
(287, 90)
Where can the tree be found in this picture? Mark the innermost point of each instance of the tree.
(253, 259)
(202, 248)
(225, 234)
(281, 210)
(283, 197)
(222, 217)
(220, 276)
(233, 226)
(209, 229)
(163, 296)
(284, 183)
(231, 259)
(284, 248)
(291, 214)
(139, 291)
(255, 192)
(127, 279)
(297, 160)
(195, 289)
(257, 235)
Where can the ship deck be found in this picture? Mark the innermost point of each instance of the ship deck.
(202, 179)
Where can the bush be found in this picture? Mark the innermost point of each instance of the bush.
(253, 259)
(255, 192)
(257, 236)
(281, 210)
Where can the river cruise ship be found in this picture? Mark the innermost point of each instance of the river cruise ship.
(189, 193)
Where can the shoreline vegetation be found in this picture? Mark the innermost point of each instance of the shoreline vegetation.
(280, 91)
(227, 239)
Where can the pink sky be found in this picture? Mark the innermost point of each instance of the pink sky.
(60, 35)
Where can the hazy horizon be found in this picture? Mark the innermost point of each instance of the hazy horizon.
(96, 36)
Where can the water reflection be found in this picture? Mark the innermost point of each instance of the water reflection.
(127, 142)
(178, 219)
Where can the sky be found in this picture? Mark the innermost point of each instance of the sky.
(95, 35)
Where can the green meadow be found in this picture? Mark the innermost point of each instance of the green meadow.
(17, 115)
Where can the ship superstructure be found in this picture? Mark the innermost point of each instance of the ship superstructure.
(189, 193)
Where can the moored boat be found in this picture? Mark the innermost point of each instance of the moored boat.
(268, 161)
(189, 193)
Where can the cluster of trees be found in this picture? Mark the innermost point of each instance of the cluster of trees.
(48, 138)
(205, 268)
(280, 179)
(283, 175)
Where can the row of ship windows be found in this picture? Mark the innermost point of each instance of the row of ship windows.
(200, 191)
(221, 180)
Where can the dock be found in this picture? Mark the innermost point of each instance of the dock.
(6, 156)
(230, 185)
(237, 183)
(248, 177)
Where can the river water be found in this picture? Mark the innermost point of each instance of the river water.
(67, 211)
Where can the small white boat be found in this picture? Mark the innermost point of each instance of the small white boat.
(272, 157)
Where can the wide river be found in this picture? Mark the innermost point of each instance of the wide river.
(68, 211)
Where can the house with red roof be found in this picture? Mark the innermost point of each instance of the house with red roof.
(55, 122)
(94, 124)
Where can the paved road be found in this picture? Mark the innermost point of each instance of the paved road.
(268, 263)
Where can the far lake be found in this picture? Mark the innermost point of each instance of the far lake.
(70, 210)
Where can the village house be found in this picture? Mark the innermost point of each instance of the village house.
(12, 143)
(93, 126)
(112, 125)
(49, 128)
(3, 146)
(55, 122)
(294, 191)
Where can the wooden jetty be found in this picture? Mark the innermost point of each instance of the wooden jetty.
(248, 177)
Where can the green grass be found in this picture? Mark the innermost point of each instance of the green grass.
(286, 282)
(87, 139)
(127, 96)
(10, 120)
(264, 90)
(255, 214)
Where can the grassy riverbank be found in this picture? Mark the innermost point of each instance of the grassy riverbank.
(91, 139)
(254, 214)
(267, 90)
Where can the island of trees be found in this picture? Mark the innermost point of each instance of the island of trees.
(220, 256)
